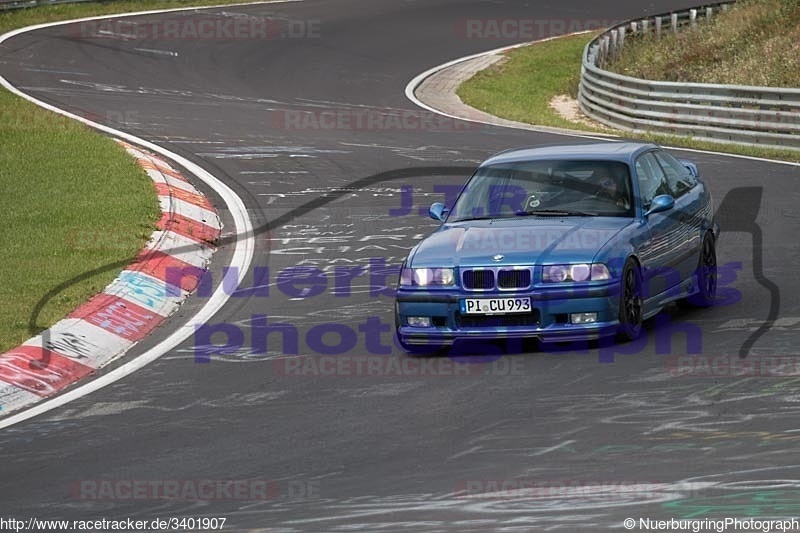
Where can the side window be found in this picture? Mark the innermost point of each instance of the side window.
(678, 176)
(652, 180)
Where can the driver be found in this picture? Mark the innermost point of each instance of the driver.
(608, 188)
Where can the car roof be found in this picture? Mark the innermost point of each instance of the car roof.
(605, 151)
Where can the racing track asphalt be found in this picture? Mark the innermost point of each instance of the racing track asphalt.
(396, 452)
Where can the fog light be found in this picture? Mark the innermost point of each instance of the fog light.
(583, 318)
(419, 321)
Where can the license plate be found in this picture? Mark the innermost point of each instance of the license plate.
(495, 306)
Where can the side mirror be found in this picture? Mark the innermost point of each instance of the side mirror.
(691, 166)
(438, 211)
(662, 202)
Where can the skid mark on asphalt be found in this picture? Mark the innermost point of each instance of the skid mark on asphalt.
(556, 508)
(234, 400)
(789, 323)
(255, 152)
(396, 389)
(169, 53)
(428, 153)
(100, 409)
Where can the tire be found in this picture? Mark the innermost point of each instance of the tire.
(630, 302)
(706, 276)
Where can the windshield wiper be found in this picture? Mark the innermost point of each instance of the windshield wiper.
(555, 213)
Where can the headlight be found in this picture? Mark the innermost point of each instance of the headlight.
(427, 277)
(577, 272)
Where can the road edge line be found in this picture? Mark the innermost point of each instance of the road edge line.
(416, 81)
(241, 259)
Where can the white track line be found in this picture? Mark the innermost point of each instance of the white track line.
(242, 254)
(417, 81)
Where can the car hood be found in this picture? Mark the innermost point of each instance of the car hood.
(522, 241)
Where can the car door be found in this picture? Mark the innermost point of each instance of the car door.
(661, 254)
(688, 210)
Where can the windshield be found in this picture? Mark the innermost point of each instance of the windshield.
(546, 188)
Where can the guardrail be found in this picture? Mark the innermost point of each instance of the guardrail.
(763, 116)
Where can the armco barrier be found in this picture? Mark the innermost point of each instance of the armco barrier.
(763, 116)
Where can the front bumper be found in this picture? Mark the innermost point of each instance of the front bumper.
(549, 320)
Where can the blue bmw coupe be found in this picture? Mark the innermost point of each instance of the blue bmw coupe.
(561, 243)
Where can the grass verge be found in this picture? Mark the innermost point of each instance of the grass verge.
(522, 87)
(755, 42)
(72, 199)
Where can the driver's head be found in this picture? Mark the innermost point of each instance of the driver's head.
(605, 181)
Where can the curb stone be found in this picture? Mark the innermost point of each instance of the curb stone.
(104, 328)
